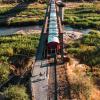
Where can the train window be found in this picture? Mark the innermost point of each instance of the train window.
(52, 51)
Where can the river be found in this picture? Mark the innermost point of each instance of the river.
(32, 29)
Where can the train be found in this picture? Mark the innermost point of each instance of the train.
(53, 42)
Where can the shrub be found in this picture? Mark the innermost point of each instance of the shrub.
(9, 51)
(82, 88)
(4, 72)
(87, 48)
(16, 93)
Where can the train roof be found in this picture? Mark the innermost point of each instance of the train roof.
(53, 23)
(53, 14)
(53, 19)
(53, 26)
(53, 38)
(53, 30)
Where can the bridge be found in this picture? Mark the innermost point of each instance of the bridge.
(43, 79)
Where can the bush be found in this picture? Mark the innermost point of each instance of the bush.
(16, 93)
(4, 72)
(87, 48)
(25, 44)
(82, 88)
(9, 52)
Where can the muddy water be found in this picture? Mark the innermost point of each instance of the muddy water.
(18, 30)
(32, 29)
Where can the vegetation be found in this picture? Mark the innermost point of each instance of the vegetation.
(87, 48)
(12, 46)
(83, 88)
(18, 44)
(4, 72)
(82, 84)
(16, 93)
(81, 0)
(17, 14)
(75, 82)
(16, 1)
(87, 15)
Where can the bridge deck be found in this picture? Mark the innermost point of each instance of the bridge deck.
(42, 76)
(39, 81)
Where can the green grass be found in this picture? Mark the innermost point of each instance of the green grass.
(13, 45)
(4, 72)
(84, 16)
(31, 14)
(87, 49)
(16, 92)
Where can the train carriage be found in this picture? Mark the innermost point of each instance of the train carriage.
(53, 43)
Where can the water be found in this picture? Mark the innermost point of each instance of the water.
(32, 29)
(18, 30)
(84, 31)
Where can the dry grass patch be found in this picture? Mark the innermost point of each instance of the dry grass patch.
(75, 81)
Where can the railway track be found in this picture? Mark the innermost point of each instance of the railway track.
(52, 81)
(63, 84)
(58, 82)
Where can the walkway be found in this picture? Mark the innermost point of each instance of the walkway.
(39, 81)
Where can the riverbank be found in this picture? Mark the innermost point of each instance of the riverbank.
(25, 30)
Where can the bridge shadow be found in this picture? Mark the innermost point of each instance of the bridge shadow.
(13, 12)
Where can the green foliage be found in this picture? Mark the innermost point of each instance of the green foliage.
(4, 72)
(18, 44)
(25, 1)
(31, 14)
(86, 15)
(16, 93)
(88, 48)
(93, 38)
(9, 52)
